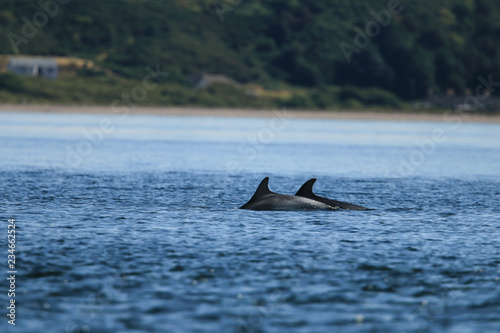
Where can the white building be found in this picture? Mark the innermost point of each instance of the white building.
(45, 67)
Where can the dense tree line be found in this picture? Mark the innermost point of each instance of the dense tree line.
(408, 47)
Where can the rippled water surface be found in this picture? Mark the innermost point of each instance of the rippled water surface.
(128, 224)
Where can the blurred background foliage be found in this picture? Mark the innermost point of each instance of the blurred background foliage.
(431, 47)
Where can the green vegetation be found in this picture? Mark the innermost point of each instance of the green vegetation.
(284, 52)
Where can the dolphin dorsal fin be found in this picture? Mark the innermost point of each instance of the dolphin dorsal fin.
(262, 190)
(307, 189)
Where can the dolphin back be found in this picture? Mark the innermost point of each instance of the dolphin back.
(275, 201)
(306, 191)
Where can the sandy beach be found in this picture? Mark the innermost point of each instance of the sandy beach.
(222, 112)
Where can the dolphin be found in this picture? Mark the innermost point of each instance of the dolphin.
(306, 191)
(264, 199)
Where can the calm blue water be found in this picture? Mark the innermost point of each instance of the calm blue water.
(128, 224)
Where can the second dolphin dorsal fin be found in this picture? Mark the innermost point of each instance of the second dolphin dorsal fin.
(307, 189)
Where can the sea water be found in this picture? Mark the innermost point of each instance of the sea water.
(129, 224)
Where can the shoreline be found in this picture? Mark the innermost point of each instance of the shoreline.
(223, 112)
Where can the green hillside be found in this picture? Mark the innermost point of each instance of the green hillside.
(331, 53)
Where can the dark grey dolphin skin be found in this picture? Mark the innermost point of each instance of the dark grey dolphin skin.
(264, 199)
(306, 191)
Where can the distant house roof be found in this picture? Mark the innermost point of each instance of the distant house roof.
(32, 61)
